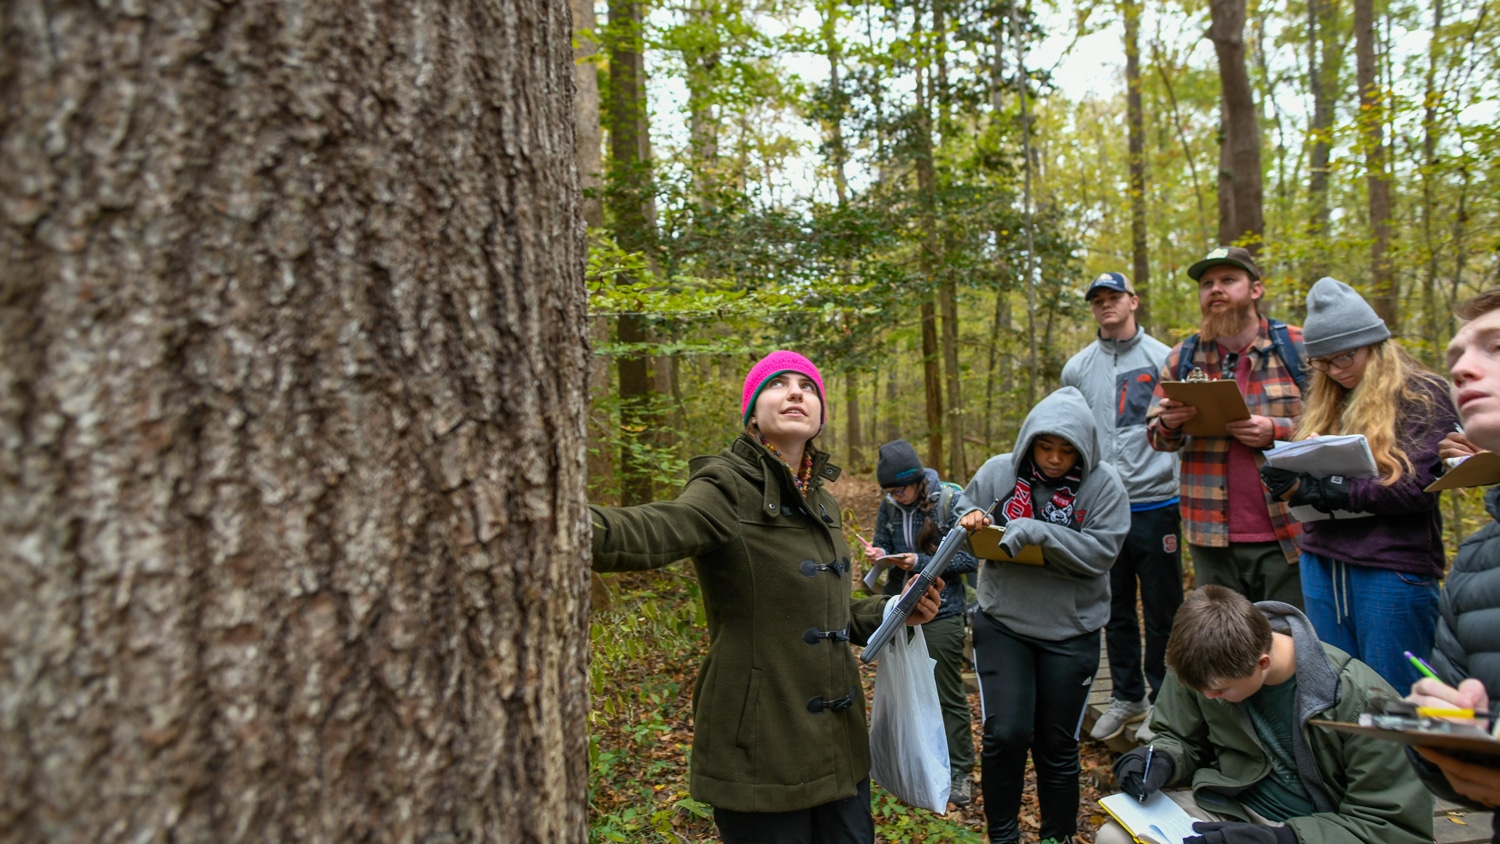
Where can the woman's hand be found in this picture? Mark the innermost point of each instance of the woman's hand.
(1456, 445)
(901, 561)
(973, 520)
(928, 605)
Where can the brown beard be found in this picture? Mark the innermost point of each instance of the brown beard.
(1228, 323)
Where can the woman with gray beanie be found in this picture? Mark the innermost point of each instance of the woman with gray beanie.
(1370, 575)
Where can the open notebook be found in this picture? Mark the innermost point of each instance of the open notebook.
(1156, 821)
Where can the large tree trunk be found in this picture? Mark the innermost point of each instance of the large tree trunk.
(1135, 117)
(292, 536)
(1377, 182)
(1240, 216)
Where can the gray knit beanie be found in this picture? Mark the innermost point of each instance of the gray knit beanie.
(898, 465)
(1339, 319)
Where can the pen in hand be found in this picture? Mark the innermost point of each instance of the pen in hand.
(1146, 774)
(1422, 666)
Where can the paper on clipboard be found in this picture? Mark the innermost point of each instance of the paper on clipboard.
(1218, 403)
(1158, 820)
(1469, 740)
(985, 543)
(1322, 457)
(1341, 454)
(1481, 469)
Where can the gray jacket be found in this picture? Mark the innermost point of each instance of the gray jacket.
(1117, 379)
(1069, 594)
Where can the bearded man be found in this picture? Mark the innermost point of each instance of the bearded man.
(1237, 535)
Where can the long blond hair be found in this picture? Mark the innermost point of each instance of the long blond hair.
(1375, 407)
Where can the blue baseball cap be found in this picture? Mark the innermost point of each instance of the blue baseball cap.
(1109, 281)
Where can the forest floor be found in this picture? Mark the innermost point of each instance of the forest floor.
(647, 642)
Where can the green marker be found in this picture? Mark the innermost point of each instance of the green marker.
(1422, 666)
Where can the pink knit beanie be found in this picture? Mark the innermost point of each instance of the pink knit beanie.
(769, 367)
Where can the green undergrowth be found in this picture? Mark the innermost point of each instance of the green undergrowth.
(646, 646)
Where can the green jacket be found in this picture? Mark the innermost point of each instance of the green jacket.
(1364, 787)
(765, 737)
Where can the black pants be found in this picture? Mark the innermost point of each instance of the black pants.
(1033, 693)
(1151, 555)
(844, 821)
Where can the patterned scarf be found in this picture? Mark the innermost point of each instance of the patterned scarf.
(1057, 510)
(803, 476)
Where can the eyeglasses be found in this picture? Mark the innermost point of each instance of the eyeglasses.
(895, 490)
(1343, 361)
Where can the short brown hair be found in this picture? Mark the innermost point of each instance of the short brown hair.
(1217, 636)
(1478, 306)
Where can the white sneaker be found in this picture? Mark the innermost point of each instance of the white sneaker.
(1145, 735)
(1121, 714)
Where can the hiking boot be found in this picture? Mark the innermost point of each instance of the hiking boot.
(961, 792)
(1145, 735)
(1121, 714)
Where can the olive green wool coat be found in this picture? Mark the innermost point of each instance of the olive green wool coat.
(767, 734)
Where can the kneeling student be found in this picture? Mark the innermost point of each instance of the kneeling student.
(1231, 724)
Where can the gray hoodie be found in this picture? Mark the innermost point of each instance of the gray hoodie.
(1118, 379)
(1069, 594)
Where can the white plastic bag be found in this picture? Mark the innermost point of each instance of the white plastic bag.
(908, 745)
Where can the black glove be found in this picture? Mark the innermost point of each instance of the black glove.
(1324, 494)
(1278, 481)
(1133, 778)
(1240, 833)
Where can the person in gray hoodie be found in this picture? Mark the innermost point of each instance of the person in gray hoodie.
(1038, 626)
(1117, 374)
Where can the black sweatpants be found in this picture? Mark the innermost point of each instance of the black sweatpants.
(1151, 555)
(1033, 693)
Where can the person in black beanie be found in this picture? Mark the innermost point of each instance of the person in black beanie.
(917, 512)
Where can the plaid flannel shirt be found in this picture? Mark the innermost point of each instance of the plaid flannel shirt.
(1205, 460)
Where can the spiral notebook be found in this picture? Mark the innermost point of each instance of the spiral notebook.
(1345, 454)
(1159, 820)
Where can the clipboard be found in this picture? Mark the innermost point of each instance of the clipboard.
(1218, 403)
(985, 543)
(1480, 469)
(1477, 741)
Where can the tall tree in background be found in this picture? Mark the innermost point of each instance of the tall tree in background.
(632, 208)
(931, 248)
(1325, 59)
(1240, 214)
(291, 368)
(1372, 116)
(1130, 10)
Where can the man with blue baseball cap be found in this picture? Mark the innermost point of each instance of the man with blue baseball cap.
(1117, 374)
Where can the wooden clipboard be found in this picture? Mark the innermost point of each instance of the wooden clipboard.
(986, 545)
(1218, 403)
(1481, 469)
(1481, 744)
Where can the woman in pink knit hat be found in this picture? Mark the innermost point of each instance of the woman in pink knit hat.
(780, 745)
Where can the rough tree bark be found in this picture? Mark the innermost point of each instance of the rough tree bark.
(292, 535)
(1240, 214)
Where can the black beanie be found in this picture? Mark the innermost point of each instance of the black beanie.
(899, 465)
